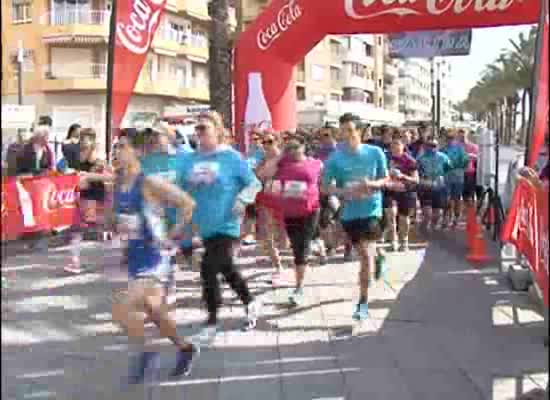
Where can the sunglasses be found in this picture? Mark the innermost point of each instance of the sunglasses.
(269, 142)
(200, 127)
(256, 139)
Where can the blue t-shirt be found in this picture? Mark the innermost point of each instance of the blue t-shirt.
(346, 168)
(433, 166)
(255, 157)
(214, 180)
(459, 161)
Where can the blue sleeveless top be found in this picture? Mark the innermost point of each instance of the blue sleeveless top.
(146, 231)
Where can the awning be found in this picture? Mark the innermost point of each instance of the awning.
(197, 59)
(164, 52)
(75, 39)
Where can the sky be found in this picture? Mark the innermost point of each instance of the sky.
(487, 44)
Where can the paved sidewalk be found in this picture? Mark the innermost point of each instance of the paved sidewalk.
(440, 329)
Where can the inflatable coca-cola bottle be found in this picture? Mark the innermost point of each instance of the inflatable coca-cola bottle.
(257, 111)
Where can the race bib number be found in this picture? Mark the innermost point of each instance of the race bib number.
(295, 189)
(204, 173)
(275, 187)
(129, 224)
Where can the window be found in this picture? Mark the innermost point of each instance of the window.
(368, 50)
(301, 93)
(317, 72)
(358, 70)
(380, 83)
(335, 75)
(21, 11)
(380, 102)
(353, 94)
(379, 40)
(335, 48)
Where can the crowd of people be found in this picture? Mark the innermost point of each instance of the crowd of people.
(312, 192)
(348, 186)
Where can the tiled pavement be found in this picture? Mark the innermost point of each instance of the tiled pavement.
(440, 329)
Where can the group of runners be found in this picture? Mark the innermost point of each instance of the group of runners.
(351, 190)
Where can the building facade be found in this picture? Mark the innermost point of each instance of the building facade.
(65, 60)
(343, 73)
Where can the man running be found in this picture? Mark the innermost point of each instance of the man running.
(139, 202)
(357, 173)
(470, 173)
(433, 165)
(222, 184)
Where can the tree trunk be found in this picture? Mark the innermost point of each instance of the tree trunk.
(514, 121)
(220, 59)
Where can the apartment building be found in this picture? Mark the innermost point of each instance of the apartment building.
(416, 77)
(343, 73)
(65, 60)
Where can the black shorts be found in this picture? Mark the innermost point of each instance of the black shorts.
(406, 202)
(436, 199)
(470, 183)
(250, 212)
(301, 232)
(364, 229)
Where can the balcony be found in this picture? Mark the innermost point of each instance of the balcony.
(194, 46)
(197, 9)
(75, 27)
(391, 71)
(159, 86)
(67, 77)
(358, 58)
(167, 41)
(197, 90)
(355, 81)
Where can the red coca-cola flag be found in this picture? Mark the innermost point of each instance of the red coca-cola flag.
(136, 24)
(539, 113)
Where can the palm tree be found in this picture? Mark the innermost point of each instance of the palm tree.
(220, 60)
(497, 90)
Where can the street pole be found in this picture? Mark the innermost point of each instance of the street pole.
(110, 69)
(20, 60)
(438, 105)
(432, 91)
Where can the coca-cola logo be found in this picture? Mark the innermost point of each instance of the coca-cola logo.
(286, 16)
(53, 199)
(136, 33)
(363, 9)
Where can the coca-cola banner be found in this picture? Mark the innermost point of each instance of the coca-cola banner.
(428, 44)
(285, 32)
(38, 204)
(137, 22)
(526, 228)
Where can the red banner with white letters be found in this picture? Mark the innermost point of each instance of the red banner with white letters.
(136, 24)
(526, 228)
(39, 204)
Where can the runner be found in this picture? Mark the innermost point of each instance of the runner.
(92, 202)
(400, 190)
(455, 177)
(433, 165)
(138, 202)
(295, 187)
(470, 173)
(270, 221)
(358, 173)
(222, 184)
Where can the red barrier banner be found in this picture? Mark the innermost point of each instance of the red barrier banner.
(136, 24)
(39, 204)
(526, 228)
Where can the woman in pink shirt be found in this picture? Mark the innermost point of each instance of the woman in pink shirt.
(470, 183)
(294, 188)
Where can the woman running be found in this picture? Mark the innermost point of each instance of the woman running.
(139, 202)
(270, 224)
(222, 184)
(295, 184)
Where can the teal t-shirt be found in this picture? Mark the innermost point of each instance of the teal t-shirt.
(433, 166)
(459, 161)
(214, 180)
(346, 168)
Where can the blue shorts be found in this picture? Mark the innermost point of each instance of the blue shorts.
(436, 199)
(455, 190)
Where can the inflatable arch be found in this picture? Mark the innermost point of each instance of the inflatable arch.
(288, 29)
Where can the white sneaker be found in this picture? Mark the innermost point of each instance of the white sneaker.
(253, 311)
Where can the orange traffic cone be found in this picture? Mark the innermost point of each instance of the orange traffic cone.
(472, 230)
(478, 249)
(470, 221)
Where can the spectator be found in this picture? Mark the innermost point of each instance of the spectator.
(13, 152)
(35, 157)
(71, 147)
